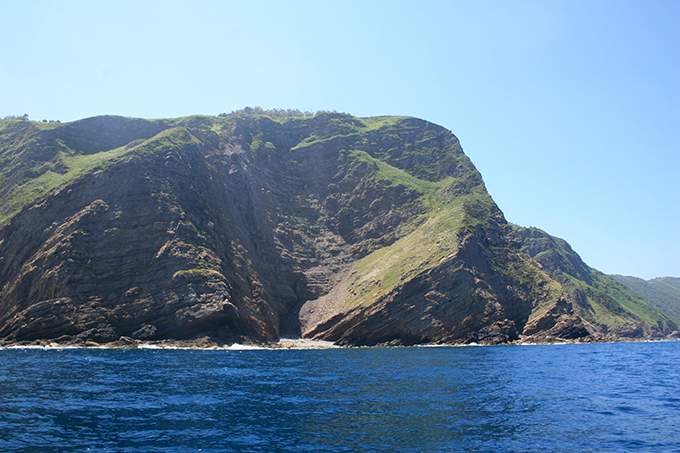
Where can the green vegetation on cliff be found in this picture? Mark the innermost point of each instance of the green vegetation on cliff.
(37, 157)
(663, 293)
(603, 300)
(259, 223)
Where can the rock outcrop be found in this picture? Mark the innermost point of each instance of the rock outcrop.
(592, 300)
(358, 231)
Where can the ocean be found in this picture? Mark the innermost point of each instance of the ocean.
(606, 397)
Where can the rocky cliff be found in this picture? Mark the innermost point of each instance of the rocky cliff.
(600, 302)
(360, 231)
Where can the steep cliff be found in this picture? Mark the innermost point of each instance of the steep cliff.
(361, 231)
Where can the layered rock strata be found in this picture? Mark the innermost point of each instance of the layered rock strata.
(358, 231)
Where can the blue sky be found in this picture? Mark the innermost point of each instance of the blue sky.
(569, 109)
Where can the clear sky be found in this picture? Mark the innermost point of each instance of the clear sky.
(570, 109)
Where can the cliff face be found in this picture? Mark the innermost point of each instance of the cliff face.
(359, 231)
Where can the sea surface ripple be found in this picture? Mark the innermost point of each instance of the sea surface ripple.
(617, 397)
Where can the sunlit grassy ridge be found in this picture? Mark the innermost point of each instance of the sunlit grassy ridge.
(33, 163)
(391, 176)
(173, 138)
(386, 268)
(72, 166)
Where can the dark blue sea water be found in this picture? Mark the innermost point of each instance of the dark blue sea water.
(621, 397)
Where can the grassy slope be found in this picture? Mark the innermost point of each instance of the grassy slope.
(30, 189)
(663, 293)
(36, 157)
(435, 238)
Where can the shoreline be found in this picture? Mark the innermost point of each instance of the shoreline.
(288, 344)
(199, 345)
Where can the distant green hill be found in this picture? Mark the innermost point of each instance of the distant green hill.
(663, 293)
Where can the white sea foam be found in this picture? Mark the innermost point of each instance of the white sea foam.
(244, 347)
(150, 346)
(49, 346)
